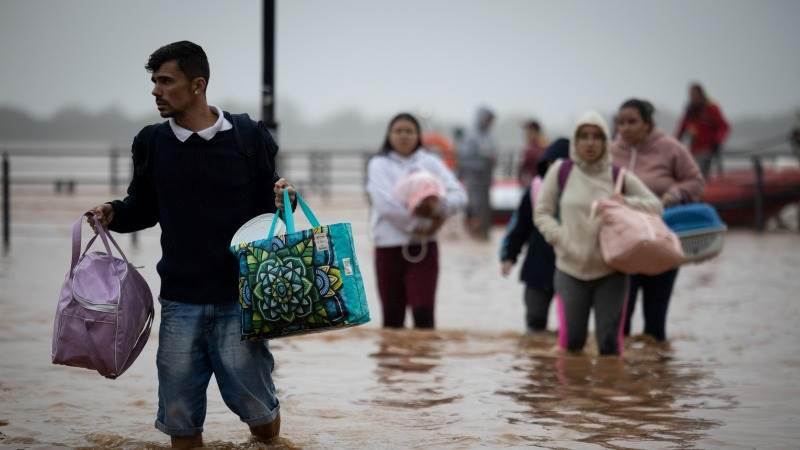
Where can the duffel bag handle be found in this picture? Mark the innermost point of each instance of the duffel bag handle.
(288, 215)
(618, 184)
(100, 231)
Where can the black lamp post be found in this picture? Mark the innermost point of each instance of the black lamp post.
(268, 86)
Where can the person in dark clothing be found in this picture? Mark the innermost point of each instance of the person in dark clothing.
(539, 265)
(200, 175)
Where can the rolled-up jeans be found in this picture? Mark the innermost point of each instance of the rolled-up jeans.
(196, 341)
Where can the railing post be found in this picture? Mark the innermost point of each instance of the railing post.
(312, 171)
(325, 169)
(281, 164)
(508, 166)
(759, 193)
(365, 158)
(319, 170)
(718, 161)
(114, 170)
(6, 203)
(134, 235)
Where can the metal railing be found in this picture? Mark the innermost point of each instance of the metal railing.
(6, 202)
(313, 171)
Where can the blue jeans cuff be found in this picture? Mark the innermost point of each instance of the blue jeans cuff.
(177, 432)
(265, 419)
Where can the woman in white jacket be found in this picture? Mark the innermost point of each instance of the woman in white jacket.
(563, 215)
(402, 283)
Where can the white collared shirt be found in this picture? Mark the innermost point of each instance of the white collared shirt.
(392, 224)
(221, 124)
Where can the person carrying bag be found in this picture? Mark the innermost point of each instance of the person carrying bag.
(667, 168)
(405, 232)
(584, 280)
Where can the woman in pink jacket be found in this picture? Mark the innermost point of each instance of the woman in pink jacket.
(668, 169)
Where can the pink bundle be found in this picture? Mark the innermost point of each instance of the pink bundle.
(417, 186)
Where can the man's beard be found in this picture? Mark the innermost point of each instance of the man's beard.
(167, 112)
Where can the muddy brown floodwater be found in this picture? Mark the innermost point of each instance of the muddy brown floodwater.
(729, 377)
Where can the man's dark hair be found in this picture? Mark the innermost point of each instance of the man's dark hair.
(532, 125)
(190, 57)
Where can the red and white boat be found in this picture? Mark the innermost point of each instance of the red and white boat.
(734, 194)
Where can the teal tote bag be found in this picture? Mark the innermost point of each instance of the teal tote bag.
(301, 282)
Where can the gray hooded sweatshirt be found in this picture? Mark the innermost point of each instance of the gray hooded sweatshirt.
(477, 154)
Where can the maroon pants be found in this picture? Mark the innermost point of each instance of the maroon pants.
(402, 284)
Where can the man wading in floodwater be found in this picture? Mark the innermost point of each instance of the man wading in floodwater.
(201, 175)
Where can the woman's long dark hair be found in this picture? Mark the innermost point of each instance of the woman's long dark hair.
(692, 109)
(645, 108)
(387, 147)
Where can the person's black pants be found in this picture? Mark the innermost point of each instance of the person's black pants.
(656, 292)
(537, 305)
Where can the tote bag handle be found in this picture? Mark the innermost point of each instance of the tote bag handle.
(288, 216)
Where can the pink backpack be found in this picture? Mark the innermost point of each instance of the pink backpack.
(634, 241)
(105, 310)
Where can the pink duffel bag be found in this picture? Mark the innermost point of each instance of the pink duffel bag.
(634, 241)
(105, 309)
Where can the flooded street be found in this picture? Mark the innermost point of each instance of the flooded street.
(729, 378)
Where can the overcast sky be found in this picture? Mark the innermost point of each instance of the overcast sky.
(548, 59)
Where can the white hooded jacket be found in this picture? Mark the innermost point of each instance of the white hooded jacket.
(392, 224)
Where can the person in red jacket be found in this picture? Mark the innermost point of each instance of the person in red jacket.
(535, 146)
(706, 127)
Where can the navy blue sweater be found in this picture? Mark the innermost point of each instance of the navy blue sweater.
(200, 192)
